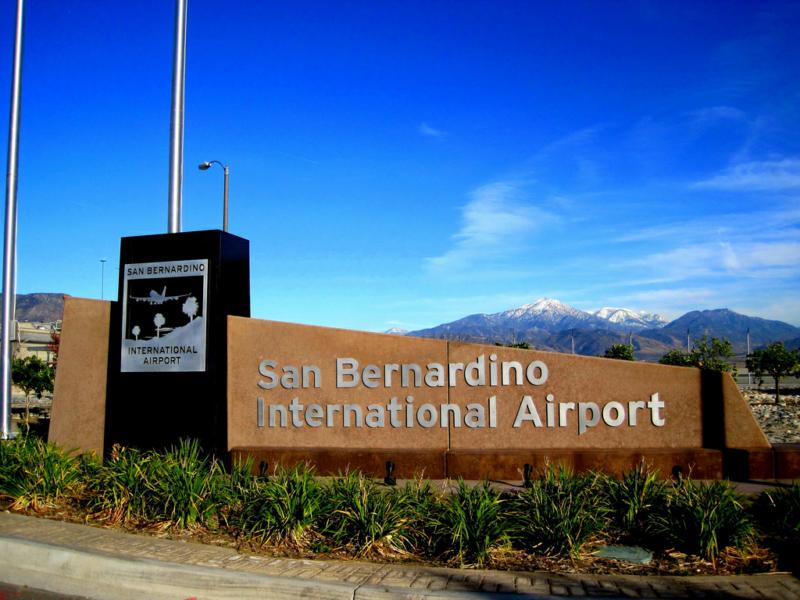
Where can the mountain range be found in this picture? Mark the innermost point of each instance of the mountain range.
(39, 308)
(549, 324)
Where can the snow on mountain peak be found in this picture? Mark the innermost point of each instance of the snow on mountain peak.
(627, 316)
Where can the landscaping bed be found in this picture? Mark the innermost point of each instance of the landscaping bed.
(561, 523)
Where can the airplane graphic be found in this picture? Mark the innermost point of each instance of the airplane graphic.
(156, 298)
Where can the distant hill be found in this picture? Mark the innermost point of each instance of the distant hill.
(549, 324)
(726, 323)
(41, 308)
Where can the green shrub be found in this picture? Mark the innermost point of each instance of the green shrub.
(284, 509)
(184, 487)
(422, 505)
(638, 506)
(35, 474)
(471, 522)
(559, 513)
(707, 517)
(365, 518)
(777, 512)
(118, 487)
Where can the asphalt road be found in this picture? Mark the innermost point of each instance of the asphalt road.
(16, 592)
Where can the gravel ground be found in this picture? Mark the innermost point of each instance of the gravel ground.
(780, 422)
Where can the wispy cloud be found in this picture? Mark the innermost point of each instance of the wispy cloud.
(429, 131)
(765, 175)
(495, 223)
(717, 113)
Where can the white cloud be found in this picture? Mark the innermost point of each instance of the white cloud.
(717, 113)
(495, 223)
(765, 175)
(429, 131)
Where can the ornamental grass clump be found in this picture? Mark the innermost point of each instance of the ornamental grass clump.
(471, 522)
(638, 506)
(559, 513)
(117, 488)
(777, 512)
(707, 517)
(35, 474)
(365, 519)
(282, 510)
(422, 503)
(184, 487)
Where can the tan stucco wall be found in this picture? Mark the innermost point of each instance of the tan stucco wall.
(78, 416)
(571, 379)
(250, 341)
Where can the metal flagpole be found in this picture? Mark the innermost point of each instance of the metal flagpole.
(176, 123)
(10, 243)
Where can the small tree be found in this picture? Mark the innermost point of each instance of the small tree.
(190, 308)
(33, 376)
(713, 355)
(676, 358)
(776, 361)
(620, 352)
(136, 331)
(159, 321)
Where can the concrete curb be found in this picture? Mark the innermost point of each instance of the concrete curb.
(99, 576)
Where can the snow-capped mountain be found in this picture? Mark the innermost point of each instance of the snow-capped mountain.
(396, 331)
(630, 319)
(548, 314)
(549, 324)
(544, 316)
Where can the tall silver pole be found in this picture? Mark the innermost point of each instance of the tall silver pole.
(10, 245)
(102, 278)
(176, 123)
(225, 202)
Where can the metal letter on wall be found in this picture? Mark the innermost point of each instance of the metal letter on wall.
(164, 316)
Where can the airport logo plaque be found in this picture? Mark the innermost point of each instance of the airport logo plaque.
(164, 316)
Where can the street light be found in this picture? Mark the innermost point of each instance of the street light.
(102, 278)
(204, 166)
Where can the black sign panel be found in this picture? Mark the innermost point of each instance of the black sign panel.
(167, 372)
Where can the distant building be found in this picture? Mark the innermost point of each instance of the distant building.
(35, 339)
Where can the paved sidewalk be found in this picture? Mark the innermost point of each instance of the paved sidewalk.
(100, 563)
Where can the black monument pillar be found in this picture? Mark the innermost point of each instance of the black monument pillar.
(167, 366)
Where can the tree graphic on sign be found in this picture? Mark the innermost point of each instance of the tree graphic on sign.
(159, 321)
(190, 308)
(136, 331)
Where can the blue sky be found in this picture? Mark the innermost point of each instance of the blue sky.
(409, 163)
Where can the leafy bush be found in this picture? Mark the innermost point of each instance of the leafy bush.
(560, 512)
(707, 517)
(284, 509)
(471, 522)
(638, 506)
(35, 474)
(620, 352)
(364, 518)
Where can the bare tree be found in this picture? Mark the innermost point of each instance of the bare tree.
(159, 321)
(190, 308)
